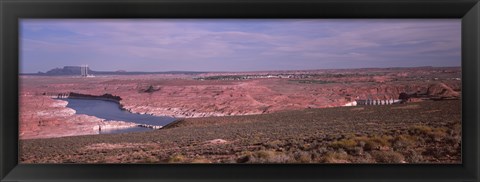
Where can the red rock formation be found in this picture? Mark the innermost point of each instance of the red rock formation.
(441, 90)
(186, 97)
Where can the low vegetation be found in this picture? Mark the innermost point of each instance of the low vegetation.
(374, 134)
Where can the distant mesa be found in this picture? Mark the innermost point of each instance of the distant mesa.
(66, 70)
(77, 70)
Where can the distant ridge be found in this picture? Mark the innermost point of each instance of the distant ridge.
(76, 70)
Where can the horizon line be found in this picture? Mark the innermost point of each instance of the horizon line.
(39, 72)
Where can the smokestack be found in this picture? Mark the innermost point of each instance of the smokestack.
(83, 70)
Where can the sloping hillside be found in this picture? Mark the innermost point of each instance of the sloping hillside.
(424, 132)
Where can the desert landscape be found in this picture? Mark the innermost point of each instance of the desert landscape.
(259, 91)
(301, 116)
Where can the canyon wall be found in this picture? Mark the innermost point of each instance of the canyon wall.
(184, 97)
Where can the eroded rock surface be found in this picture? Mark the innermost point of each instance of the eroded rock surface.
(185, 96)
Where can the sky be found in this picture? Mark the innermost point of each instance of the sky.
(237, 44)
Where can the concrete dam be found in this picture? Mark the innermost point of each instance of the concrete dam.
(375, 102)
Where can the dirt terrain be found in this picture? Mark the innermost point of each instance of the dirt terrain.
(220, 94)
(416, 132)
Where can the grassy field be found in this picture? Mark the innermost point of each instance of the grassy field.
(423, 132)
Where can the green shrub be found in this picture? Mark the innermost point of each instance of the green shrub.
(150, 159)
(412, 156)
(435, 134)
(264, 156)
(201, 160)
(274, 144)
(368, 143)
(388, 157)
(177, 158)
(347, 144)
(402, 142)
(374, 142)
(303, 157)
(421, 129)
(335, 157)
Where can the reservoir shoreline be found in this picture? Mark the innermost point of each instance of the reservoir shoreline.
(108, 108)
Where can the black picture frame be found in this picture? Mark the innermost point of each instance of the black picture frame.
(13, 10)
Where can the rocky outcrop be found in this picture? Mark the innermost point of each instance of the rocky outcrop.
(44, 117)
(108, 97)
(150, 89)
(257, 97)
(436, 91)
(441, 90)
(173, 112)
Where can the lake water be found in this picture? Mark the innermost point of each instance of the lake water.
(109, 111)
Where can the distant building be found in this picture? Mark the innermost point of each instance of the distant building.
(84, 71)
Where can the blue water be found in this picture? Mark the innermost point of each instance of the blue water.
(110, 111)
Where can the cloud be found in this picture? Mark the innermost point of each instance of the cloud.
(220, 43)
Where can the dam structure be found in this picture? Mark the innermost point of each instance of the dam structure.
(378, 102)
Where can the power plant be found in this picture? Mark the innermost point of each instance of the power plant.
(84, 71)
